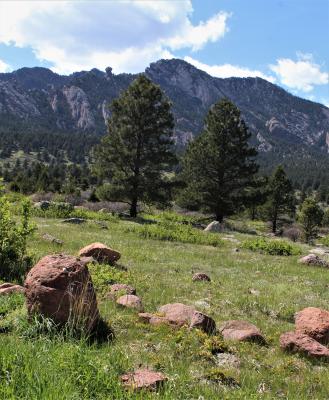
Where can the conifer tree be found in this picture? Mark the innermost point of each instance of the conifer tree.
(138, 150)
(219, 164)
(281, 196)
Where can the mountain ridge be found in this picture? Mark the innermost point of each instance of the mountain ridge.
(79, 102)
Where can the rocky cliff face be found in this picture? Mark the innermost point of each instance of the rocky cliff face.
(79, 102)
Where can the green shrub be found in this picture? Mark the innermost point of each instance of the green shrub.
(272, 247)
(170, 231)
(325, 240)
(62, 210)
(13, 237)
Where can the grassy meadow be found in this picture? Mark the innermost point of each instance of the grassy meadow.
(252, 285)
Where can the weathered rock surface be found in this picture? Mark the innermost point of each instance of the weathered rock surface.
(100, 253)
(314, 260)
(296, 342)
(119, 289)
(130, 301)
(177, 315)
(214, 226)
(313, 322)
(201, 276)
(143, 379)
(60, 287)
(242, 331)
(8, 288)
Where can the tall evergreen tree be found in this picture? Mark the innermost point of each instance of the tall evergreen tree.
(138, 150)
(281, 196)
(219, 164)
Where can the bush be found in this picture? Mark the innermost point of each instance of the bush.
(13, 237)
(292, 233)
(185, 233)
(310, 217)
(272, 247)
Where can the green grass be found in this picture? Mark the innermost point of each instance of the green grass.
(43, 366)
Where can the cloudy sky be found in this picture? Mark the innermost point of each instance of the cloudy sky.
(283, 41)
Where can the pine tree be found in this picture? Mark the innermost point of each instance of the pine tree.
(281, 196)
(138, 150)
(311, 216)
(219, 164)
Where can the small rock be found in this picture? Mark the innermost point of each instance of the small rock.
(313, 322)
(118, 289)
(227, 360)
(300, 343)
(130, 301)
(178, 314)
(8, 288)
(74, 221)
(201, 276)
(143, 379)
(313, 259)
(52, 239)
(100, 253)
(255, 292)
(103, 210)
(242, 331)
(214, 226)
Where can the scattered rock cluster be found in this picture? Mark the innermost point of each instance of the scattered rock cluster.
(311, 334)
(60, 287)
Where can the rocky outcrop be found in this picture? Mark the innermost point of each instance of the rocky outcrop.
(100, 253)
(130, 301)
(242, 331)
(143, 379)
(314, 260)
(9, 288)
(313, 322)
(80, 108)
(119, 289)
(295, 342)
(60, 287)
(178, 315)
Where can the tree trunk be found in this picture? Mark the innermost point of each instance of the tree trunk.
(133, 208)
(274, 223)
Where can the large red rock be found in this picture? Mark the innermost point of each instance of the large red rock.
(60, 287)
(143, 379)
(242, 331)
(297, 342)
(100, 253)
(178, 314)
(8, 288)
(313, 322)
(130, 301)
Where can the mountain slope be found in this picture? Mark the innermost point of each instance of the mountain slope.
(279, 121)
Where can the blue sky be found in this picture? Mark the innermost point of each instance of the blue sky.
(284, 41)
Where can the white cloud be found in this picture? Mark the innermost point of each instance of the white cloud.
(228, 70)
(126, 35)
(302, 74)
(4, 67)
